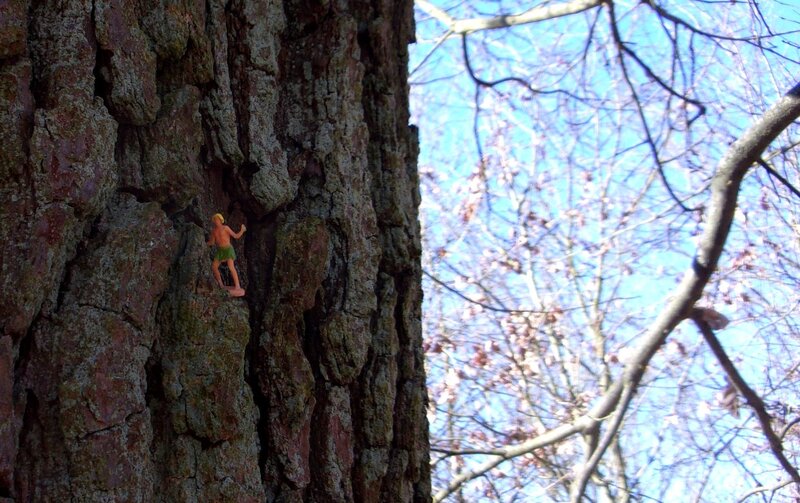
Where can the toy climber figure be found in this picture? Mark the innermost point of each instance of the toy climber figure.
(221, 237)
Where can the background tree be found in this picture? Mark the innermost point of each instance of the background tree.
(620, 168)
(125, 373)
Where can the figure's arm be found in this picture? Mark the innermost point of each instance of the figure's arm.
(239, 234)
(210, 241)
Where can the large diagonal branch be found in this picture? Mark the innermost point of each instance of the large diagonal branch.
(534, 15)
(724, 193)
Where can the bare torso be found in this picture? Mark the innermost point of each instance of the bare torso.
(221, 236)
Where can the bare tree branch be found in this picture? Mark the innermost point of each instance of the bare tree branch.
(764, 489)
(624, 50)
(505, 453)
(502, 309)
(492, 83)
(788, 427)
(534, 15)
(754, 40)
(589, 467)
(780, 178)
(753, 400)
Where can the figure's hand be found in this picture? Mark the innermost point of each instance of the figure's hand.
(242, 229)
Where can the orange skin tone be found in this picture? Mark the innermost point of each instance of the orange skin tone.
(221, 236)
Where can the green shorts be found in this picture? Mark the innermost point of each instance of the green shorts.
(223, 254)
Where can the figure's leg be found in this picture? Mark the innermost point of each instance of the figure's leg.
(215, 268)
(234, 274)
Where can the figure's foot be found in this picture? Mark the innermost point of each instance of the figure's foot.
(236, 292)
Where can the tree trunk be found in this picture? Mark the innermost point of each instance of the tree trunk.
(126, 373)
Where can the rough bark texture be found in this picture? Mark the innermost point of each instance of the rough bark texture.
(125, 373)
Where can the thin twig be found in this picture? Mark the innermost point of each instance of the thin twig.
(481, 82)
(780, 178)
(430, 53)
(763, 489)
(622, 49)
(497, 309)
(582, 479)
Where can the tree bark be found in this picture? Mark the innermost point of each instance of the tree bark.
(126, 373)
